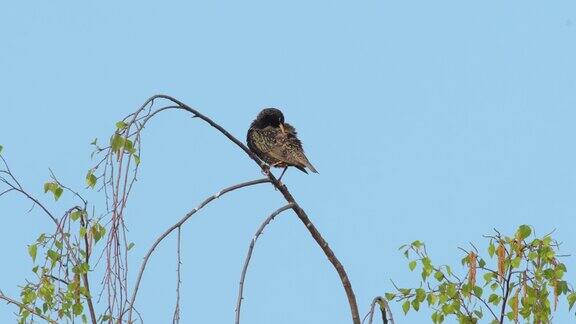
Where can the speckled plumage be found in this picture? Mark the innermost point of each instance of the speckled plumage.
(276, 146)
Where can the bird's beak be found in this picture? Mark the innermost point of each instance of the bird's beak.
(282, 128)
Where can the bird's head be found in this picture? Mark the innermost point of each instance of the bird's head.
(270, 117)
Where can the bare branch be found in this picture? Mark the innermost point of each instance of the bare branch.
(249, 255)
(176, 318)
(177, 225)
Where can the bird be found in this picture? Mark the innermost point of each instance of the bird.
(276, 142)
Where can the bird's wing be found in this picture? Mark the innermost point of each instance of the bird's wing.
(262, 142)
(289, 150)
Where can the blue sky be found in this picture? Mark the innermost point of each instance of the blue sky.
(430, 120)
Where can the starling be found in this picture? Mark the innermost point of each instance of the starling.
(276, 143)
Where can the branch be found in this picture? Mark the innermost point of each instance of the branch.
(290, 199)
(384, 308)
(176, 318)
(507, 292)
(178, 225)
(22, 306)
(249, 255)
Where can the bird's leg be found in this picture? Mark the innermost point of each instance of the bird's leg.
(281, 175)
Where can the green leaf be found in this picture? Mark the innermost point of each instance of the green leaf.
(431, 299)
(491, 249)
(412, 265)
(98, 231)
(389, 296)
(82, 231)
(417, 244)
(477, 291)
(516, 262)
(571, 300)
(129, 146)
(91, 179)
(406, 307)
(494, 299)
(420, 295)
(130, 246)
(53, 256)
(77, 309)
(75, 215)
(416, 305)
(121, 125)
(439, 275)
(57, 193)
(117, 143)
(481, 263)
(54, 188)
(136, 159)
(523, 232)
(32, 249)
(1, 148)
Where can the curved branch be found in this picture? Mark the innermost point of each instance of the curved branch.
(178, 225)
(384, 308)
(249, 255)
(290, 199)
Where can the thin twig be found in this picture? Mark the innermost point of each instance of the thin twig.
(249, 256)
(176, 318)
(177, 225)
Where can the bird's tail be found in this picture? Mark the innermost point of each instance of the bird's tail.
(311, 167)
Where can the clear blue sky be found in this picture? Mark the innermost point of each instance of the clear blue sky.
(431, 120)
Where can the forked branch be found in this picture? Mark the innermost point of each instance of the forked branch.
(177, 226)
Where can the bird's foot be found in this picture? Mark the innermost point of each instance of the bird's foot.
(266, 169)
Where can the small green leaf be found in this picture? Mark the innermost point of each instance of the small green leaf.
(54, 188)
(416, 305)
(1, 148)
(431, 298)
(491, 249)
(121, 125)
(117, 143)
(494, 299)
(130, 246)
(136, 159)
(481, 263)
(98, 231)
(412, 265)
(91, 179)
(571, 300)
(523, 232)
(32, 249)
(77, 309)
(58, 192)
(477, 291)
(75, 215)
(406, 307)
(439, 275)
(129, 146)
